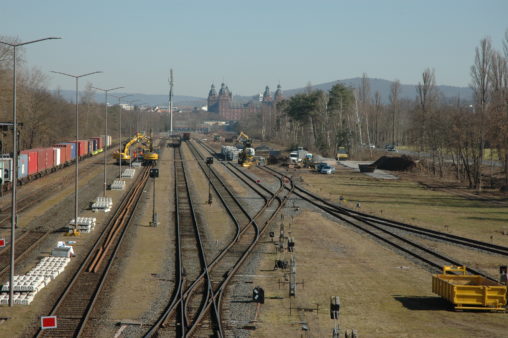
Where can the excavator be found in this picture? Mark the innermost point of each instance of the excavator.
(150, 157)
(246, 157)
(125, 156)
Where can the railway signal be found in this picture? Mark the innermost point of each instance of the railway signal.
(258, 295)
(2, 242)
(48, 322)
(154, 173)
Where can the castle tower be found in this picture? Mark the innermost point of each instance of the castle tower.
(212, 100)
(267, 97)
(278, 94)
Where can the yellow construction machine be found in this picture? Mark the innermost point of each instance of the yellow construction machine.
(151, 156)
(125, 155)
(246, 157)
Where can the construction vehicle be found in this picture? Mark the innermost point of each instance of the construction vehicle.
(125, 156)
(151, 156)
(342, 154)
(246, 158)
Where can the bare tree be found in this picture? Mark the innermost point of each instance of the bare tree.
(481, 86)
(394, 106)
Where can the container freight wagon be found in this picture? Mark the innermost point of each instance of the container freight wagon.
(469, 292)
(107, 140)
(22, 165)
(57, 152)
(65, 152)
(32, 161)
(82, 147)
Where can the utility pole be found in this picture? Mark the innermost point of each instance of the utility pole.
(170, 103)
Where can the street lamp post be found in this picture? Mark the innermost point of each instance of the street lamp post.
(15, 160)
(106, 131)
(120, 131)
(76, 77)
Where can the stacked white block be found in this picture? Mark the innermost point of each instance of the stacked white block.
(84, 224)
(102, 204)
(129, 173)
(118, 185)
(19, 298)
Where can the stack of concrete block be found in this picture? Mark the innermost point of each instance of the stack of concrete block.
(102, 204)
(84, 224)
(118, 185)
(129, 173)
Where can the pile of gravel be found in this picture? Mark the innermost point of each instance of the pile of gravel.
(395, 163)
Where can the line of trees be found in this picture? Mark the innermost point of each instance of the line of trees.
(455, 134)
(48, 118)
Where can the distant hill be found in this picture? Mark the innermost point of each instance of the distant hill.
(150, 99)
(383, 86)
(407, 91)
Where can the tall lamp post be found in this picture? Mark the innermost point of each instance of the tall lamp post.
(120, 131)
(106, 131)
(15, 159)
(76, 77)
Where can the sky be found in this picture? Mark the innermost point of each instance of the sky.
(251, 44)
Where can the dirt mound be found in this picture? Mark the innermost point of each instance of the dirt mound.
(395, 163)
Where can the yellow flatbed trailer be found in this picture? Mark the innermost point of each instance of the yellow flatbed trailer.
(469, 292)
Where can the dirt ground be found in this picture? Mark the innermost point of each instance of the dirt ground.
(382, 294)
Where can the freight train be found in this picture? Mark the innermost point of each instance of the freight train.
(37, 162)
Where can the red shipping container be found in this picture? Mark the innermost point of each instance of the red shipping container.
(50, 157)
(66, 152)
(82, 147)
(45, 159)
(32, 160)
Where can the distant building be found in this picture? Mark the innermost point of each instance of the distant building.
(223, 105)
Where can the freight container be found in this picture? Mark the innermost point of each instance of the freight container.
(100, 142)
(82, 147)
(92, 142)
(41, 159)
(73, 150)
(90, 146)
(107, 140)
(22, 165)
(66, 152)
(58, 156)
(6, 169)
(469, 292)
(32, 161)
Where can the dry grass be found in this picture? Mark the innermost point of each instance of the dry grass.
(407, 201)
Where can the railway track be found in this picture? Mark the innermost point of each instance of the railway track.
(389, 232)
(24, 244)
(205, 296)
(76, 302)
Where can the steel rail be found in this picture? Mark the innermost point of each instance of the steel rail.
(341, 214)
(68, 325)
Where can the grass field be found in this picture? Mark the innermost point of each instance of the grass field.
(408, 201)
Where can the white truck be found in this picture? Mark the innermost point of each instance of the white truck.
(297, 156)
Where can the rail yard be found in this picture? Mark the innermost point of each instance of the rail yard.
(220, 249)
